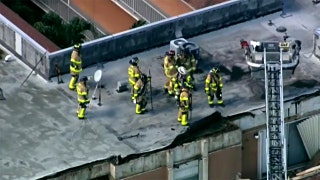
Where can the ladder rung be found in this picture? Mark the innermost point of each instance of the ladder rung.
(274, 108)
(273, 101)
(274, 116)
(273, 79)
(274, 94)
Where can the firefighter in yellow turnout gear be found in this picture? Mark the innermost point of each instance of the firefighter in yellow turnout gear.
(187, 60)
(134, 74)
(214, 86)
(170, 71)
(83, 94)
(75, 66)
(183, 79)
(185, 105)
(140, 94)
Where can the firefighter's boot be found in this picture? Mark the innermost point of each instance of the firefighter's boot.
(138, 109)
(210, 101)
(220, 101)
(184, 121)
(81, 113)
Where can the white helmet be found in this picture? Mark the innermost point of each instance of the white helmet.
(182, 70)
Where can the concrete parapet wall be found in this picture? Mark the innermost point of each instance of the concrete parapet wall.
(139, 165)
(159, 33)
(23, 47)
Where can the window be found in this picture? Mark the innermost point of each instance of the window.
(187, 171)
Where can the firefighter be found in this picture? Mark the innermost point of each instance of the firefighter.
(140, 93)
(83, 96)
(187, 59)
(170, 71)
(133, 73)
(75, 66)
(214, 86)
(185, 105)
(183, 79)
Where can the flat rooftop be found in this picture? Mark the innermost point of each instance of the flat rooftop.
(40, 133)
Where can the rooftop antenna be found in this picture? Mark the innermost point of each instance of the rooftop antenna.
(97, 78)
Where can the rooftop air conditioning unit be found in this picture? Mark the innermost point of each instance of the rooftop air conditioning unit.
(193, 48)
(175, 45)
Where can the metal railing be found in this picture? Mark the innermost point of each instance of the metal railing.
(143, 9)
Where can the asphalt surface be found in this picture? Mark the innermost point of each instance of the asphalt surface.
(41, 135)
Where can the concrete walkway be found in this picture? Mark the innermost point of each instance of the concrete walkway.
(105, 13)
(172, 7)
(203, 3)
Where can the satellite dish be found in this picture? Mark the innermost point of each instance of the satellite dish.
(8, 58)
(97, 75)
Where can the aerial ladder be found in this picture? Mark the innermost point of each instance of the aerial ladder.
(276, 142)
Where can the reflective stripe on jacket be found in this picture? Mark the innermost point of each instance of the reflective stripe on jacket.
(139, 88)
(75, 63)
(82, 92)
(184, 100)
(169, 67)
(189, 62)
(134, 74)
(212, 81)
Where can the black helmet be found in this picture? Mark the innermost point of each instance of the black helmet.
(77, 46)
(83, 79)
(214, 70)
(134, 61)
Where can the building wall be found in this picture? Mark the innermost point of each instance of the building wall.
(249, 155)
(194, 159)
(231, 158)
(225, 164)
(157, 174)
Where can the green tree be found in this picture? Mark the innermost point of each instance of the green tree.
(76, 28)
(138, 23)
(61, 33)
(25, 9)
